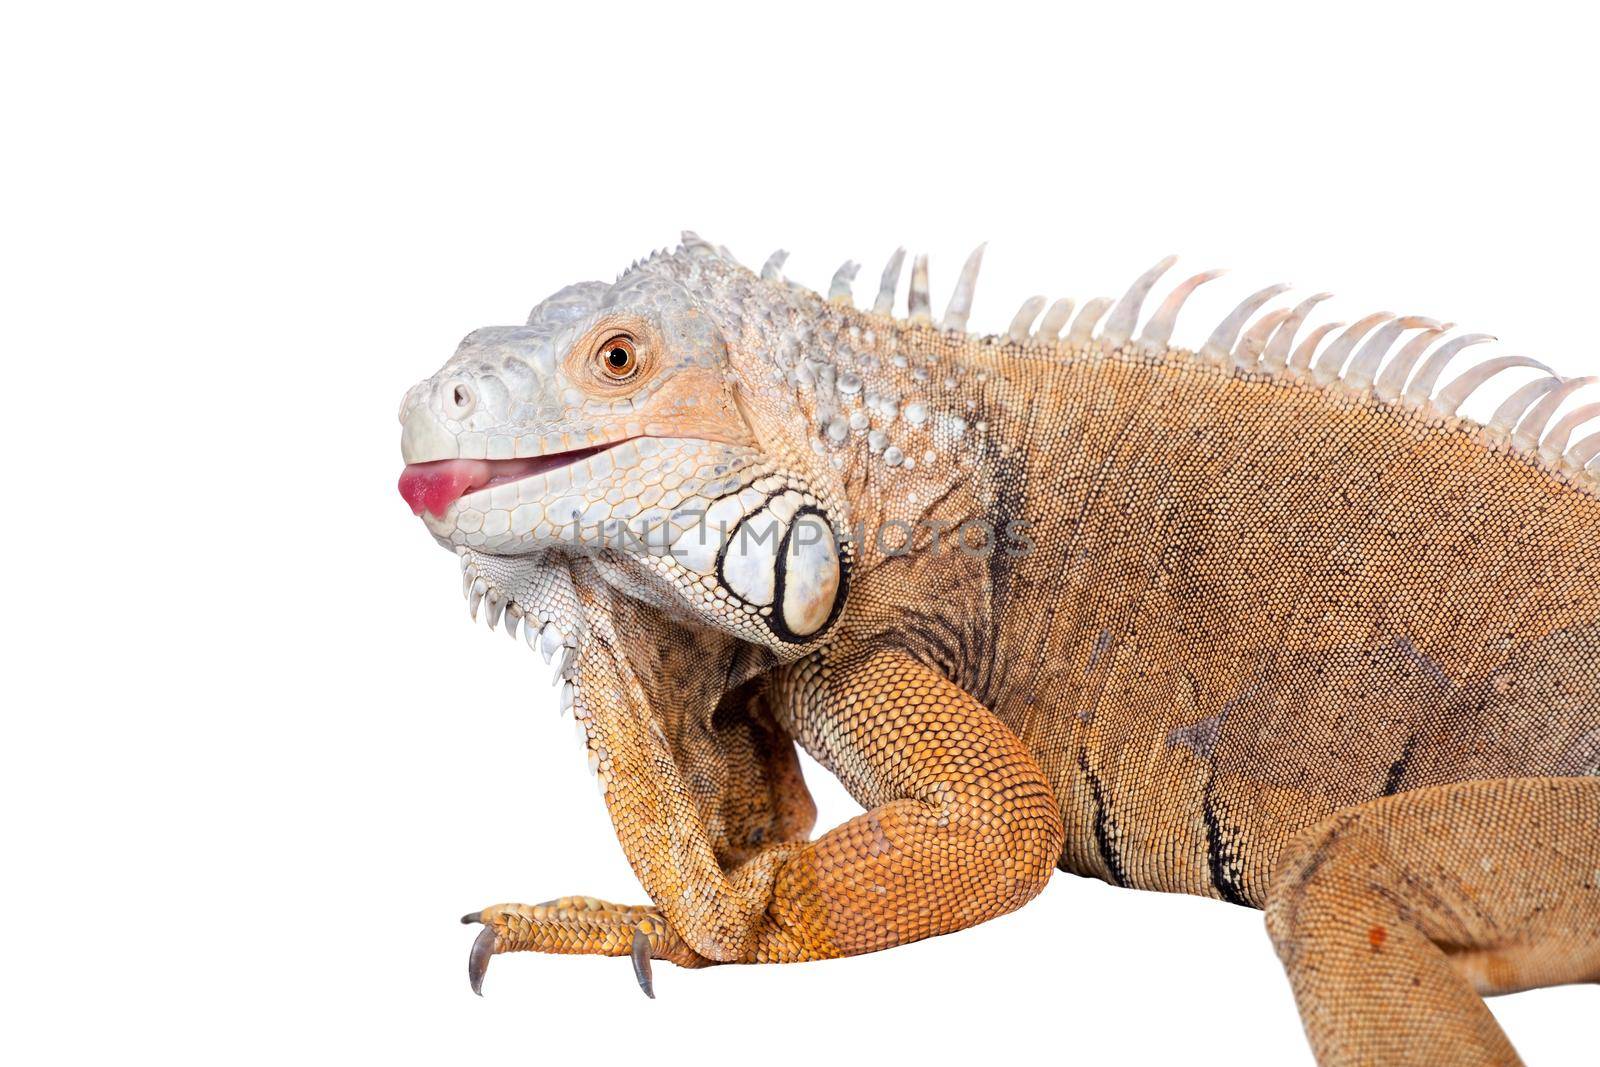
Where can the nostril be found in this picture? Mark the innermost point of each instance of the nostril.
(459, 401)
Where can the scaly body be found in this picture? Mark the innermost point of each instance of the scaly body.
(1238, 613)
(1201, 622)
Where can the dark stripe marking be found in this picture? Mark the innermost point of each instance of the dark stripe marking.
(1397, 770)
(1103, 824)
(1219, 856)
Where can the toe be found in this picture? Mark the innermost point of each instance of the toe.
(483, 947)
(641, 963)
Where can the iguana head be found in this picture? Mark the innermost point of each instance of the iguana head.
(625, 424)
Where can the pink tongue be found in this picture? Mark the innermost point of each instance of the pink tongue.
(435, 486)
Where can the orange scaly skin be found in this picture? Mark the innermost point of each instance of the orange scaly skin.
(1248, 631)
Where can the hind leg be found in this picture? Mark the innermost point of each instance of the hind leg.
(1394, 918)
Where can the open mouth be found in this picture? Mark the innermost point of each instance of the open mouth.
(433, 487)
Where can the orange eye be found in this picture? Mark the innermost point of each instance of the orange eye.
(618, 359)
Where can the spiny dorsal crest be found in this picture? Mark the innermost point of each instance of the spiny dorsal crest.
(1251, 340)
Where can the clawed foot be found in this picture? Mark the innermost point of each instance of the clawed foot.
(581, 925)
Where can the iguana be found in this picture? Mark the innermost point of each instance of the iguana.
(1267, 621)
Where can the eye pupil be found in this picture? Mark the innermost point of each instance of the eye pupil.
(617, 358)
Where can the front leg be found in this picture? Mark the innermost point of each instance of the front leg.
(962, 827)
(962, 824)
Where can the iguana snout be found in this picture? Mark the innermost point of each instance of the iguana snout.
(535, 435)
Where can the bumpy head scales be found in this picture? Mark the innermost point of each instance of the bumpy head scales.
(614, 425)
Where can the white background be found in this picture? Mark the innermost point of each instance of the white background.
(256, 761)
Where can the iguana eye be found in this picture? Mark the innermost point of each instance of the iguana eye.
(617, 358)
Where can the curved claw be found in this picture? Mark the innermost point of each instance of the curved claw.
(641, 963)
(482, 950)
